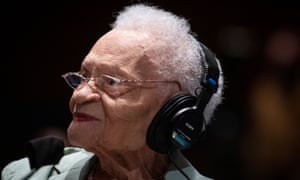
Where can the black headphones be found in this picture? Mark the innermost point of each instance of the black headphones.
(180, 122)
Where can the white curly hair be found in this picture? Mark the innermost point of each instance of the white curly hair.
(177, 50)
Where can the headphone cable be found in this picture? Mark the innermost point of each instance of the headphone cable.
(176, 166)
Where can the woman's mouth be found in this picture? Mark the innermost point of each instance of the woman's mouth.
(81, 117)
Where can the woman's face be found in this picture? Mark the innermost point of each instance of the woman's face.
(117, 119)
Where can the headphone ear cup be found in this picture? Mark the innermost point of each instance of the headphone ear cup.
(160, 130)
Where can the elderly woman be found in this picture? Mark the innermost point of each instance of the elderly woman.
(143, 92)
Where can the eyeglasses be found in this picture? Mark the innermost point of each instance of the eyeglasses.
(107, 83)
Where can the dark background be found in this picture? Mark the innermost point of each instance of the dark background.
(253, 136)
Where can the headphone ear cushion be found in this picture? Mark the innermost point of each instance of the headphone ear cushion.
(159, 132)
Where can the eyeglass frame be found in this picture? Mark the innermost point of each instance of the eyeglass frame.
(118, 80)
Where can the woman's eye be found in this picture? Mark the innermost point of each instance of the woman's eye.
(111, 81)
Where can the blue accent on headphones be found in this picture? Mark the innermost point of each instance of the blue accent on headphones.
(180, 140)
(212, 82)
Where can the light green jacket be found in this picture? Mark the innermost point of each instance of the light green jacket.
(76, 163)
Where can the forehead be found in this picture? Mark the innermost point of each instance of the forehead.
(122, 51)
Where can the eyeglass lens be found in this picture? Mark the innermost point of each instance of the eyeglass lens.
(74, 80)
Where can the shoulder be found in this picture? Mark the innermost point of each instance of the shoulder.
(16, 169)
(71, 157)
(20, 168)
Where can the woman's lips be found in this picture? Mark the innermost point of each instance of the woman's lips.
(81, 117)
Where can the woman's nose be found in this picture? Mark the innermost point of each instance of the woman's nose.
(83, 94)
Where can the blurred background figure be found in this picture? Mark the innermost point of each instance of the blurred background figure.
(271, 146)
